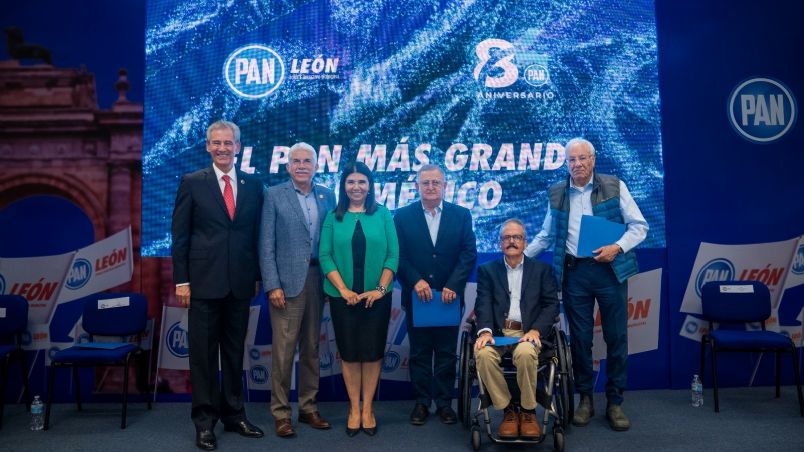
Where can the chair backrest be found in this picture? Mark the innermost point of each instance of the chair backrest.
(115, 314)
(735, 301)
(13, 314)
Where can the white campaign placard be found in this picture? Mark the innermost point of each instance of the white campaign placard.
(258, 367)
(644, 309)
(174, 349)
(99, 266)
(765, 262)
(37, 279)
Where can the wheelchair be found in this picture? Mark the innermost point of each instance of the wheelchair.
(554, 390)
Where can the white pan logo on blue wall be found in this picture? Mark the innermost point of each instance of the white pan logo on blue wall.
(762, 109)
(254, 71)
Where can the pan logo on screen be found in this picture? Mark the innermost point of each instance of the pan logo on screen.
(719, 269)
(254, 71)
(762, 109)
(798, 263)
(497, 71)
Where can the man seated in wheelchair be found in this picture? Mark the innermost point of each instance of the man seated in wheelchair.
(516, 297)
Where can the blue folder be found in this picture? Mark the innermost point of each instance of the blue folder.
(597, 232)
(500, 341)
(435, 312)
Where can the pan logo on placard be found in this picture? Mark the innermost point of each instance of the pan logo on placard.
(326, 360)
(79, 275)
(797, 267)
(254, 71)
(177, 341)
(2, 285)
(719, 269)
(762, 109)
(391, 362)
(259, 374)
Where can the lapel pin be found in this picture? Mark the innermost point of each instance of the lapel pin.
(320, 196)
(242, 182)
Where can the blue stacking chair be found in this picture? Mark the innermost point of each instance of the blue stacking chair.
(732, 304)
(103, 317)
(13, 321)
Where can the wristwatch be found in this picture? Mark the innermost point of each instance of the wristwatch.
(381, 289)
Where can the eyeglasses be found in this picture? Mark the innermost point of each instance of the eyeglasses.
(431, 183)
(218, 143)
(579, 160)
(515, 238)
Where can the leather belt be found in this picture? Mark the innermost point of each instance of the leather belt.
(313, 262)
(572, 261)
(512, 325)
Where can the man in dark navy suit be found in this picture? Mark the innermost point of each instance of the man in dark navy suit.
(437, 252)
(516, 297)
(215, 267)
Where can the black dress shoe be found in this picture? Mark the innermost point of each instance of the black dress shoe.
(244, 428)
(205, 440)
(350, 432)
(370, 431)
(419, 414)
(447, 415)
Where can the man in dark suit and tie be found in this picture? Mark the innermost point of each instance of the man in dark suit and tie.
(291, 227)
(216, 271)
(437, 252)
(516, 297)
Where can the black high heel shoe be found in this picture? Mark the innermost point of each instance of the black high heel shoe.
(350, 432)
(371, 431)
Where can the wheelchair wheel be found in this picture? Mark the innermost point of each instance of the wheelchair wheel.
(558, 440)
(475, 438)
(566, 386)
(465, 382)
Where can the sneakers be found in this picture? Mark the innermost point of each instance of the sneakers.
(509, 427)
(584, 412)
(617, 419)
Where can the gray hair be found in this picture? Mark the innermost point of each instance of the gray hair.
(223, 124)
(430, 167)
(513, 221)
(582, 141)
(302, 146)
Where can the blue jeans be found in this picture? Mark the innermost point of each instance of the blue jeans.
(583, 284)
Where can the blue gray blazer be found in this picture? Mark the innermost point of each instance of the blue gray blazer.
(285, 246)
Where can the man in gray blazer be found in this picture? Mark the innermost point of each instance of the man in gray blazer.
(292, 215)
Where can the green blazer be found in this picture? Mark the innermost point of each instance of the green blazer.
(335, 247)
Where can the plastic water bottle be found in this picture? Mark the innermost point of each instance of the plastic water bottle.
(697, 391)
(37, 414)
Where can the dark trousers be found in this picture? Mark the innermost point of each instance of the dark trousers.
(584, 284)
(217, 325)
(432, 364)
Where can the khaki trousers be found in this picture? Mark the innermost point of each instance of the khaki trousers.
(526, 360)
(299, 323)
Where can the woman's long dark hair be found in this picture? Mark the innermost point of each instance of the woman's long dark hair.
(343, 198)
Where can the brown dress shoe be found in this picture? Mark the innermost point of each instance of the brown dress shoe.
(529, 426)
(284, 428)
(509, 427)
(315, 420)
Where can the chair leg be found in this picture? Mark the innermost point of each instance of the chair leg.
(26, 390)
(778, 373)
(51, 376)
(3, 387)
(77, 384)
(125, 392)
(714, 376)
(797, 374)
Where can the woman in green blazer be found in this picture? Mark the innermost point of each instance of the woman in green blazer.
(359, 254)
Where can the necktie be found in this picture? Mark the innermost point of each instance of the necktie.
(228, 196)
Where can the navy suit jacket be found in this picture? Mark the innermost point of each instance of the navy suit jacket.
(285, 246)
(212, 252)
(447, 264)
(538, 303)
